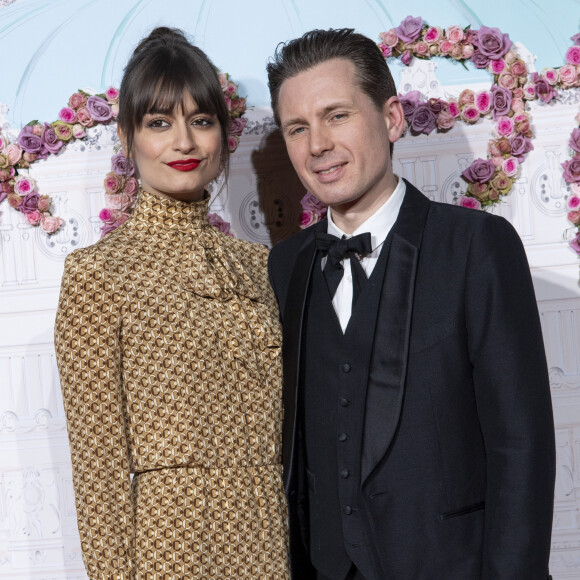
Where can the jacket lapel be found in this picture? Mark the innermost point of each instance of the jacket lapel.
(293, 317)
(388, 367)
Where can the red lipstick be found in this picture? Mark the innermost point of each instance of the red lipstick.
(184, 164)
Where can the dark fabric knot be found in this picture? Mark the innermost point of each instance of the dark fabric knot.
(338, 249)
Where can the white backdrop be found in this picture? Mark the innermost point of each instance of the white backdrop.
(38, 535)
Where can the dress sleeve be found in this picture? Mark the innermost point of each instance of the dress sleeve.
(88, 353)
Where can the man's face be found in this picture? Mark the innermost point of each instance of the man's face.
(337, 140)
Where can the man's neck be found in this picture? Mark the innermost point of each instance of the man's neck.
(348, 217)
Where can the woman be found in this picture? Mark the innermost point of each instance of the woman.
(168, 348)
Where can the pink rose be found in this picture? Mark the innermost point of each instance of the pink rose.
(478, 190)
(467, 51)
(573, 55)
(13, 152)
(105, 215)
(23, 185)
(421, 48)
(131, 186)
(518, 68)
(501, 182)
(483, 101)
(78, 131)
(445, 121)
(307, 218)
(529, 91)
(217, 221)
(466, 97)
(223, 78)
(389, 38)
(454, 110)
(510, 166)
(43, 203)
(470, 113)
(112, 95)
(497, 161)
(123, 217)
(63, 130)
(551, 75)
(114, 183)
(386, 50)
(433, 34)
(33, 217)
(77, 100)
(456, 51)
(51, 224)
(311, 203)
(233, 141)
(469, 202)
(239, 105)
(496, 66)
(84, 117)
(518, 105)
(237, 126)
(29, 157)
(569, 74)
(507, 80)
(505, 126)
(574, 202)
(115, 110)
(454, 34)
(445, 46)
(407, 57)
(67, 115)
(37, 129)
(574, 217)
(518, 93)
(4, 175)
(14, 200)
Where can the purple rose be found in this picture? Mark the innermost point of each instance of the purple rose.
(409, 102)
(575, 243)
(572, 170)
(50, 140)
(99, 109)
(3, 195)
(437, 105)
(492, 42)
(576, 39)
(423, 119)
(501, 101)
(237, 126)
(520, 145)
(121, 165)
(29, 203)
(407, 57)
(575, 140)
(480, 171)
(410, 29)
(29, 141)
(479, 59)
(544, 90)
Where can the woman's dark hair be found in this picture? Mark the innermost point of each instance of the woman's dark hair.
(164, 68)
(318, 46)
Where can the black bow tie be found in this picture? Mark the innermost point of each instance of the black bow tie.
(338, 249)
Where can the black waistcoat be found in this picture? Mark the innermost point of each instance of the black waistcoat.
(335, 374)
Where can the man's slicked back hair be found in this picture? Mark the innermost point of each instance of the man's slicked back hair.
(318, 46)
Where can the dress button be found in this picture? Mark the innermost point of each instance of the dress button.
(344, 402)
(346, 368)
(344, 473)
(347, 510)
(342, 437)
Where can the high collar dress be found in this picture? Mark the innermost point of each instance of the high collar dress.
(169, 352)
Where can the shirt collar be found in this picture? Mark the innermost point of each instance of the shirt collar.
(380, 223)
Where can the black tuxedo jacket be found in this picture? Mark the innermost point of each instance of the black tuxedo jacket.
(458, 457)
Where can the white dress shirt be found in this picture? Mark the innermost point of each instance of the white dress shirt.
(379, 225)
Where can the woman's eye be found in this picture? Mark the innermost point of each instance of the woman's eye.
(202, 122)
(157, 123)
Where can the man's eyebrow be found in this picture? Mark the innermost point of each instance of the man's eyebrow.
(322, 113)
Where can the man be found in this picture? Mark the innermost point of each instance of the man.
(418, 431)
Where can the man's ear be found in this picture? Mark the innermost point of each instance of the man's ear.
(394, 118)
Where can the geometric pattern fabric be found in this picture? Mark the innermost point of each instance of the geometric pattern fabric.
(169, 352)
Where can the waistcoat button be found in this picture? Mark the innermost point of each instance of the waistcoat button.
(344, 402)
(346, 368)
(347, 510)
(344, 473)
(342, 437)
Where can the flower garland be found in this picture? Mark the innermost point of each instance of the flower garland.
(487, 48)
(121, 186)
(38, 141)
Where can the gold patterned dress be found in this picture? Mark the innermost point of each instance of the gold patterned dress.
(168, 347)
